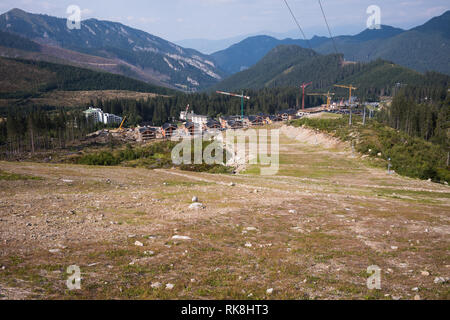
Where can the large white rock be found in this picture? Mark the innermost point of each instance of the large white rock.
(196, 206)
(177, 237)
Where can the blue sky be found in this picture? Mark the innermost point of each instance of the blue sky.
(219, 19)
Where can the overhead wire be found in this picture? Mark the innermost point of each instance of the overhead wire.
(328, 27)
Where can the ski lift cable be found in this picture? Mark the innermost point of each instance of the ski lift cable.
(328, 27)
(303, 34)
(297, 23)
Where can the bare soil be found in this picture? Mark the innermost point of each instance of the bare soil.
(309, 232)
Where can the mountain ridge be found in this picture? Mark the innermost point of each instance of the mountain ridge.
(423, 48)
(186, 69)
(290, 65)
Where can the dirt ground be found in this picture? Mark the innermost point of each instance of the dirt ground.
(309, 232)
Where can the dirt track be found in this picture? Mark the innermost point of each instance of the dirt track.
(309, 233)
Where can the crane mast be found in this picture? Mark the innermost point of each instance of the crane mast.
(238, 96)
(303, 86)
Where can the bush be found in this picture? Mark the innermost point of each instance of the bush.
(156, 155)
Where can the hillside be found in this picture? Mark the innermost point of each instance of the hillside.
(246, 53)
(16, 42)
(289, 66)
(17, 47)
(424, 48)
(159, 59)
(24, 78)
(309, 232)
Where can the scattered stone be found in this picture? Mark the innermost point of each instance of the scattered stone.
(292, 211)
(415, 289)
(396, 297)
(93, 264)
(196, 206)
(3, 268)
(425, 273)
(417, 297)
(194, 199)
(149, 253)
(108, 181)
(155, 285)
(269, 291)
(177, 237)
(394, 247)
(169, 286)
(131, 236)
(193, 280)
(54, 250)
(67, 181)
(231, 184)
(250, 295)
(255, 191)
(248, 245)
(29, 224)
(438, 280)
(379, 154)
(251, 229)
(138, 244)
(72, 212)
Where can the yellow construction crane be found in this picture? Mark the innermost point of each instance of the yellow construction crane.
(350, 88)
(121, 125)
(327, 95)
(120, 129)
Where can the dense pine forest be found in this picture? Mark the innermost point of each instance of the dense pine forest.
(37, 77)
(422, 112)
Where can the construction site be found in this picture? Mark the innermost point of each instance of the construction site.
(192, 124)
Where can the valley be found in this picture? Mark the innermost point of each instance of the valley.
(125, 172)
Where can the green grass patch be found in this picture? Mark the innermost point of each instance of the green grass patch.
(15, 177)
(410, 156)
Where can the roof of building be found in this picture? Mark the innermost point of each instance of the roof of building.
(144, 129)
(189, 125)
(254, 118)
(166, 126)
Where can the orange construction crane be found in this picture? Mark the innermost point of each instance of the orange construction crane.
(327, 95)
(303, 86)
